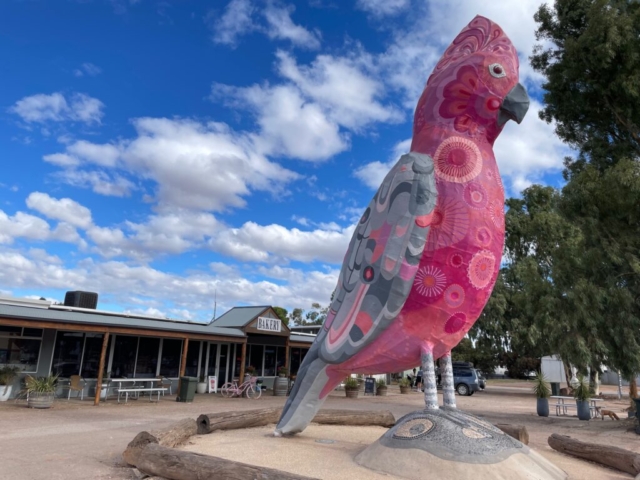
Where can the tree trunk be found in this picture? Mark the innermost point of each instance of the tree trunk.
(614, 457)
(633, 387)
(176, 434)
(519, 432)
(211, 422)
(180, 465)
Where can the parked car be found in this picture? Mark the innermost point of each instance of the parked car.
(466, 379)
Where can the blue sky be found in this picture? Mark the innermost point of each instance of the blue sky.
(161, 152)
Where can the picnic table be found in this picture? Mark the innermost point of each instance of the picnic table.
(561, 406)
(137, 389)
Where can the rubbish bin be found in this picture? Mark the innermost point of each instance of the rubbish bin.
(555, 389)
(187, 389)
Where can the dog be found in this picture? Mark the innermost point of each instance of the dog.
(609, 413)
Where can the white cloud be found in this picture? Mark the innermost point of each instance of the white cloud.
(42, 108)
(282, 27)
(61, 159)
(104, 155)
(99, 181)
(87, 68)
(234, 22)
(382, 8)
(64, 209)
(22, 225)
(289, 125)
(258, 243)
(372, 174)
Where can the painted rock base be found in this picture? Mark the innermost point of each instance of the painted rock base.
(454, 445)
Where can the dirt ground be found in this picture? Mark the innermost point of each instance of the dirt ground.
(75, 440)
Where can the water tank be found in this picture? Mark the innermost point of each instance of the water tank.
(81, 299)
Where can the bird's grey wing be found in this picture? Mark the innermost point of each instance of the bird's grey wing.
(382, 260)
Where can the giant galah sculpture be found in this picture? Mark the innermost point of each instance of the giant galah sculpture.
(426, 253)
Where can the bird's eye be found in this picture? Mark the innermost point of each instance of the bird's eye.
(497, 70)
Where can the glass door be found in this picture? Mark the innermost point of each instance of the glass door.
(223, 365)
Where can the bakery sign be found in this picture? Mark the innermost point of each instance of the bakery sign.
(269, 324)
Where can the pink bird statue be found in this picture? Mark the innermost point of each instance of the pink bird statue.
(426, 253)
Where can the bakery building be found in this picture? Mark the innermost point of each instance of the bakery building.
(42, 338)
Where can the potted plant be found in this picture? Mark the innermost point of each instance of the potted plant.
(201, 387)
(405, 385)
(582, 396)
(40, 391)
(381, 387)
(7, 375)
(351, 387)
(250, 371)
(543, 392)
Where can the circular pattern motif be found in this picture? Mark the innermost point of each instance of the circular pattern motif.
(430, 281)
(454, 295)
(496, 213)
(458, 160)
(367, 274)
(455, 260)
(455, 323)
(475, 196)
(483, 236)
(416, 428)
(481, 269)
(449, 224)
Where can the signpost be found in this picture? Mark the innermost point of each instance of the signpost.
(213, 384)
(369, 386)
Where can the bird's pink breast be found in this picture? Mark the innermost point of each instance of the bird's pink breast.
(461, 259)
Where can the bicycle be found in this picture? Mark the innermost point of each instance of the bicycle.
(248, 388)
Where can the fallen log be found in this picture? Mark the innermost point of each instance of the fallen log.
(179, 465)
(177, 434)
(382, 418)
(614, 457)
(519, 432)
(211, 422)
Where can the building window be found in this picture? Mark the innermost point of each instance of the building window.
(255, 358)
(147, 362)
(20, 347)
(281, 358)
(295, 360)
(270, 361)
(193, 357)
(213, 353)
(124, 356)
(170, 362)
(91, 356)
(67, 354)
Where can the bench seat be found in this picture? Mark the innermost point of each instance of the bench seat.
(151, 390)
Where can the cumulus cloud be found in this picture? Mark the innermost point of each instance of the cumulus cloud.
(99, 181)
(281, 26)
(382, 8)
(372, 174)
(262, 243)
(234, 22)
(42, 108)
(64, 209)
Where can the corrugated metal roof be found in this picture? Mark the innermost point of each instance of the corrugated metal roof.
(114, 320)
(302, 338)
(239, 316)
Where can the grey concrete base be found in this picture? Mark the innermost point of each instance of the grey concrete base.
(452, 445)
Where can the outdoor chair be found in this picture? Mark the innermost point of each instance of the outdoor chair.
(165, 383)
(76, 384)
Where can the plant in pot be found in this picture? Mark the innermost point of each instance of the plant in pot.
(381, 387)
(201, 387)
(40, 391)
(7, 375)
(250, 371)
(281, 384)
(351, 387)
(405, 385)
(543, 392)
(283, 372)
(582, 396)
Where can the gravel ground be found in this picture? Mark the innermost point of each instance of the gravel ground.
(75, 440)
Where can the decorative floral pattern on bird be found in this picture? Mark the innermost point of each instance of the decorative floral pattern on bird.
(426, 253)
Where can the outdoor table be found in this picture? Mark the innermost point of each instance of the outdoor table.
(120, 381)
(561, 405)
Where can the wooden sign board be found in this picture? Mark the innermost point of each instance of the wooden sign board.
(369, 386)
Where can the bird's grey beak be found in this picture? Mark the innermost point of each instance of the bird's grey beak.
(514, 106)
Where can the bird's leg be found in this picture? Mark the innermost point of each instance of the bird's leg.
(448, 393)
(429, 378)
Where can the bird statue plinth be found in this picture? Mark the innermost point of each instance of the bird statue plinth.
(426, 253)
